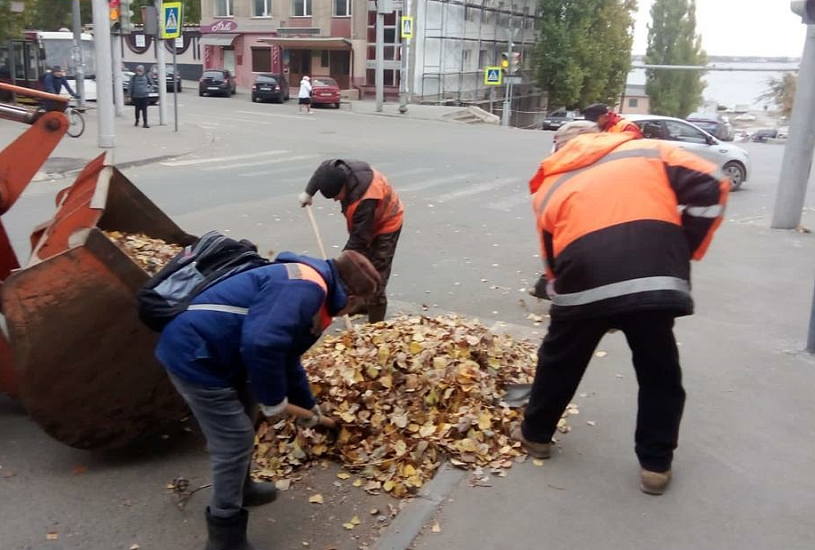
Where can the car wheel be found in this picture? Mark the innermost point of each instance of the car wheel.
(736, 172)
(200, 93)
(337, 105)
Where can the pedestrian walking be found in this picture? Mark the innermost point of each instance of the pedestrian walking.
(617, 248)
(609, 121)
(239, 344)
(373, 214)
(139, 89)
(304, 95)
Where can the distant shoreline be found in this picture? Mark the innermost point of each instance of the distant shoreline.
(737, 59)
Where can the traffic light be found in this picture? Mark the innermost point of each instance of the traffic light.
(114, 6)
(806, 9)
(505, 63)
(125, 16)
(514, 63)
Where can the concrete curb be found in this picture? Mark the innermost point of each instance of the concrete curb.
(409, 523)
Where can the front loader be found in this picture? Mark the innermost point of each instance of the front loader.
(73, 349)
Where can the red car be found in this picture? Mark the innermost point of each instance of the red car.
(325, 91)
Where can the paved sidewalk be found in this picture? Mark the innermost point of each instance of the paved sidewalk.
(743, 468)
(134, 145)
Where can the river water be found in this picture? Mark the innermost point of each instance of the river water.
(731, 88)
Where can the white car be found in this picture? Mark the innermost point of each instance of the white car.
(734, 161)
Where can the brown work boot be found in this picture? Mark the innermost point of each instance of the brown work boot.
(654, 483)
(537, 450)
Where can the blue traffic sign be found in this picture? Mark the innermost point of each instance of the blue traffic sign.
(493, 76)
(171, 20)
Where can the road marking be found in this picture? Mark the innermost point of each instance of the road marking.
(253, 113)
(476, 189)
(192, 162)
(427, 184)
(262, 162)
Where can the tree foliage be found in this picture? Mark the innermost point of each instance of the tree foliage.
(672, 40)
(583, 52)
(191, 12)
(781, 92)
(12, 23)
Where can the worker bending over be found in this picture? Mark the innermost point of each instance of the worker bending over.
(373, 213)
(609, 121)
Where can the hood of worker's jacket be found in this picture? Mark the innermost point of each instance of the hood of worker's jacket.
(337, 297)
(578, 153)
(360, 176)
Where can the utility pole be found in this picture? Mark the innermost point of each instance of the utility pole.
(161, 61)
(118, 91)
(104, 78)
(507, 110)
(795, 170)
(404, 77)
(382, 7)
(79, 57)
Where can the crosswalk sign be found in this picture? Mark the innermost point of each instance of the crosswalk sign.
(493, 76)
(170, 20)
(407, 28)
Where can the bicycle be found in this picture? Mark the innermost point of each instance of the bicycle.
(76, 122)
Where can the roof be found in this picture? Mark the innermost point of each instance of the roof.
(217, 39)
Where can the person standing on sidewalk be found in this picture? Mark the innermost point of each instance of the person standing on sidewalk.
(304, 95)
(617, 248)
(240, 343)
(373, 213)
(140, 86)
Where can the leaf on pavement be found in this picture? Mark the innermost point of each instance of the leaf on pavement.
(316, 499)
(436, 528)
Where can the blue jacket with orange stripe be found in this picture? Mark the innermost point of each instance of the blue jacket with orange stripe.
(620, 219)
(278, 317)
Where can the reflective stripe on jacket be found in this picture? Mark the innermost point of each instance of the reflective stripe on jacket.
(388, 213)
(619, 220)
(618, 124)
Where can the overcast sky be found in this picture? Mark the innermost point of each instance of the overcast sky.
(737, 27)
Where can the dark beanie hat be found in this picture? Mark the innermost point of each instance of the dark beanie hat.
(357, 273)
(329, 179)
(594, 111)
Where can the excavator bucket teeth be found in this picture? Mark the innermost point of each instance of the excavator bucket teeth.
(84, 363)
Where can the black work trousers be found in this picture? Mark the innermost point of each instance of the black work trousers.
(140, 105)
(564, 355)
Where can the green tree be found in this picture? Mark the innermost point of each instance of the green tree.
(583, 52)
(672, 40)
(191, 11)
(781, 92)
(48, 15)
(12, 22)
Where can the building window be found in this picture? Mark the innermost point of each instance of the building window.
(342, 8)
(224, 8)
(261, 60)
(324, 60)
(301, 8)
(633, 103)
(262, 8)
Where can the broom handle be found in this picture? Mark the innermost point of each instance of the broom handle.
(316, 229)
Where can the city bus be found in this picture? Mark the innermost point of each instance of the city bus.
(57, 48)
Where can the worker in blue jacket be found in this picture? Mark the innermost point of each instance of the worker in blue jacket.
(239, 343)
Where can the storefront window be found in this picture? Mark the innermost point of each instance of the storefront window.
(224, 8)
(342, 8)
(262, 8)
(301, 8)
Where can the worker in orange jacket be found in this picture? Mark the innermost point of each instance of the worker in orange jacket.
(609, 121)
(617, 248)
(373, 213)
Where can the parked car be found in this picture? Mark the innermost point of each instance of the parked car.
(152, 96)
(761, 136)
(715, 125)
(217, 82)
(325, 91)
(556, 119)
(273, 87)
(169, 77)
(733, 161)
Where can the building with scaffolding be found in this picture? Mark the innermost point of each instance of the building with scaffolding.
(456, 39)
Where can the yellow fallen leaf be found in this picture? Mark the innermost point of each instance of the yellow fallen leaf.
(343, 475)
(355, 520)
(135, 547)
(436, 528)
(316, 499)
(537, 462)
(51, 536)
(357, 483)
(386, 381)
(348, 526)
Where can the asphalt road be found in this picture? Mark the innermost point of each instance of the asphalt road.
(468, 245)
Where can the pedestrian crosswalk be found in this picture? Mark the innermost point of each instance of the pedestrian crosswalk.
(287, 169)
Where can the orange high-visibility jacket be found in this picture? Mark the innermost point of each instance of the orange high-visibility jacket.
(620, 218)
(389, 212)
(618, 124)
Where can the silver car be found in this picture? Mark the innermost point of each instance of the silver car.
(734, 161)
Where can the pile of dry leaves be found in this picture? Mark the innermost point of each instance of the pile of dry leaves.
(408, 392)
(151, 254)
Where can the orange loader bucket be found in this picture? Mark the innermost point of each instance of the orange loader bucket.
(84, 362)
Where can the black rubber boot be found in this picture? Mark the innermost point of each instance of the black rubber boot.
(227, 533)
(257, 493)
(137, 122)
(146, 125)
(377, 313)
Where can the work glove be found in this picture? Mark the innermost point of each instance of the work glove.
(305, 199)
(274, 410)
(313, 421)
